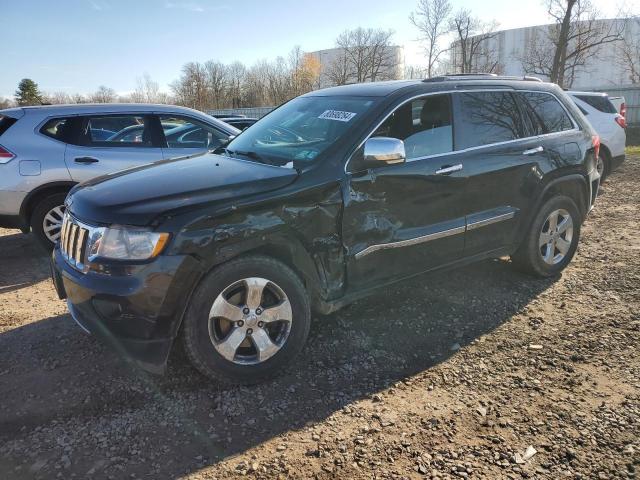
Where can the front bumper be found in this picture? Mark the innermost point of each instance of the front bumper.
(135, 309)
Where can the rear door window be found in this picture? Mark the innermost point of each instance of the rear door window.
(599, 102)
(484, 118)
(425, 126)
(119, 131)
(186, 132)
(548, 112)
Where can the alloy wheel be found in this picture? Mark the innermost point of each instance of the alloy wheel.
(250, 321)
(600, 166)
(556, 236)
(52, 223)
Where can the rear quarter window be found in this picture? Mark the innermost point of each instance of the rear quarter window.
(5, 123)
(484, 118)
(548, 112)
(56, 128)
(599, 102)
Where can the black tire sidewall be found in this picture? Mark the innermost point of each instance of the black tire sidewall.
(533, 250)
(38, 214)
(196, 328)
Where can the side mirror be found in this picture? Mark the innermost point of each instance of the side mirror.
(384, 149)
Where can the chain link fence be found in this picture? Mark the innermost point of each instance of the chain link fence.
(254, 112)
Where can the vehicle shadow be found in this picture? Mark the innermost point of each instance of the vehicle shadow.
(58, 382)
(24, 262)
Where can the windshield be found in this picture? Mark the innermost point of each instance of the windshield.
(299, 131)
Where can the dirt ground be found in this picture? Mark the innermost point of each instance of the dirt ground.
(477, 373)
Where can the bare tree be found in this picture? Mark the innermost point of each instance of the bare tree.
(216, 78)
(147, 91)
(5, 103)
(562, 50)
(628, 53)
(104, 95)
(237, 73)
(304, 72)
(431, 19)
(472, 51)
(367, 56)
(338, 71)
(58, 98)
(191, 89)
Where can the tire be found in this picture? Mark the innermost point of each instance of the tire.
(604, 168)
(204, 338)
(530, 256)
(51, 205)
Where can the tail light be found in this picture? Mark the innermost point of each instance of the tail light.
(5, 155)
(620, 120)
(595, 141)
(623, 110)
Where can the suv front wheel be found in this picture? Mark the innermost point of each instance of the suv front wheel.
(552, 239)
(247, 320)
(46, 219)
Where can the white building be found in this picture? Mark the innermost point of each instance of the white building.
(332, 58)
(603, 67)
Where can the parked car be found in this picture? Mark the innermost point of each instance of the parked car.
(610, 125)
(46, 150)
(621, 106)
(240, 123)
(332, 196)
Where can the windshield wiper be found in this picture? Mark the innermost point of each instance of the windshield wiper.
(249, 154)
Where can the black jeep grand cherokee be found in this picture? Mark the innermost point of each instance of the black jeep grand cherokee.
(336, 193)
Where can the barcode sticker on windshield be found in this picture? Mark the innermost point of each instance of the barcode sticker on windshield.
(337, 115)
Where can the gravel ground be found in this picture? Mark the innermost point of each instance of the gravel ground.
(477, 373)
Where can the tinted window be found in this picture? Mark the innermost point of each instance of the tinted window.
(117, 131)
(547, 112)
(185, 132)
(55, 128)
(423, 124)
(5, 123)
(599, 102)
(483, 118)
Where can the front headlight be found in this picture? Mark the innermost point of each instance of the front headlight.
(125, 243)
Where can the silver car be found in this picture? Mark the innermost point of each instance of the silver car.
(46, 150)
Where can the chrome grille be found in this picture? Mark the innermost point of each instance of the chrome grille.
(73, 241)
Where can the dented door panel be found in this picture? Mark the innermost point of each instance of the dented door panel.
(401, 220)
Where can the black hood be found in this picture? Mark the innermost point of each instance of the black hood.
(137, 196)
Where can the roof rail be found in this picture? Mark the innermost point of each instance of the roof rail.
(479, 76)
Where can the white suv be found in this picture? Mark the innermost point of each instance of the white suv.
(46, 150)
(610, 125)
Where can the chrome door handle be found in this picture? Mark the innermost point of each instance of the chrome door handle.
(533, 151)
(447, 169)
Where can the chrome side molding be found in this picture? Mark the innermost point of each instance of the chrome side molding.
(411, 241)
(436, 235)
(489, 221)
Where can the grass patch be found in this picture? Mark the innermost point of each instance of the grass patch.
(633, 150)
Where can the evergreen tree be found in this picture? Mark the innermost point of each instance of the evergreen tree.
(28, 93)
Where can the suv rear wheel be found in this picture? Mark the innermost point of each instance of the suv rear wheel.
(603, 163)
(551, 240)
(247, 319)
(46, 219)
